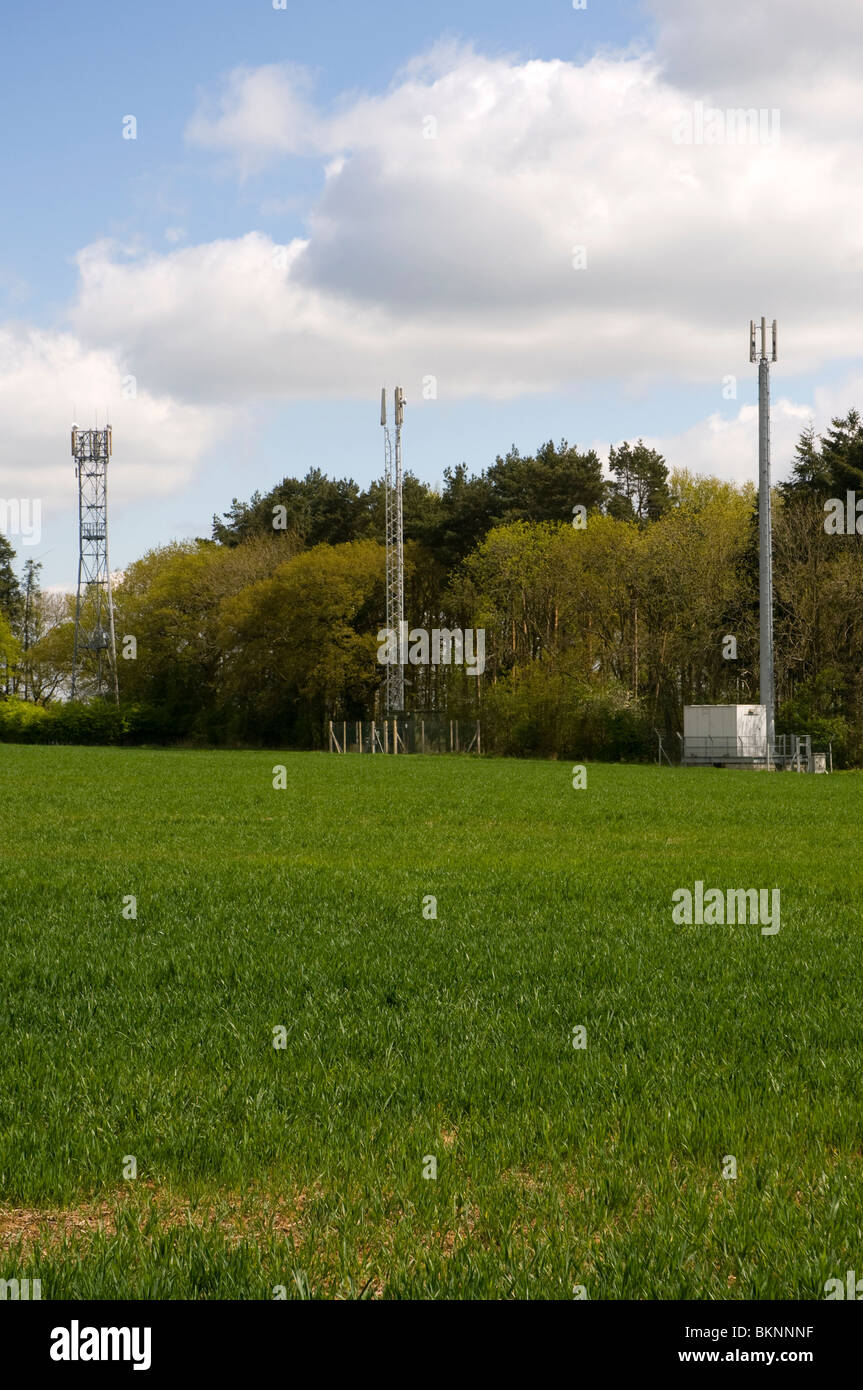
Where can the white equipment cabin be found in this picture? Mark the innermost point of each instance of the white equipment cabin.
(725, 735)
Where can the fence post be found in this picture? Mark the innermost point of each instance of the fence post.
(395, 735)
(386, 735)
(331, 735)
(478, 744)
(374, 736)
(422, 736)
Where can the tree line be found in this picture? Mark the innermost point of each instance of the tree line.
(606, 602)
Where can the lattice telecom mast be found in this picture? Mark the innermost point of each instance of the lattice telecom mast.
(765, 530)
(94, 607)
(395, 681)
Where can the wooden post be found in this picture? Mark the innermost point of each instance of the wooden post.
(374, 737)
(386, 735)
(450, 735)
(422, 736)
(331, 735)
(395, 735)
(478, 744)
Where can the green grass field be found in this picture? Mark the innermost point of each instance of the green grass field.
(407, 1038)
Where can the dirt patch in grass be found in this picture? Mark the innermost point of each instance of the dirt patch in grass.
(237, 1216)
(34, 1227)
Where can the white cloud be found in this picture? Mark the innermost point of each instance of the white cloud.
(453, 255)
(727, 447)
(260, 112)
(44, 376)
(781, 50)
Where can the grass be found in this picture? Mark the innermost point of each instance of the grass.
(262, 1169)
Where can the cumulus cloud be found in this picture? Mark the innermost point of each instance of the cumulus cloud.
(506, 227)
(45, 376)
(259, 112)
(783, 51)
(727, 447)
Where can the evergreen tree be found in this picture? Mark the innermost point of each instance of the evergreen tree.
(10, 589)
(639, 491)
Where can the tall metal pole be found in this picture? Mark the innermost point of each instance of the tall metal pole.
(399, 690)
(765, 530)
(394, 689)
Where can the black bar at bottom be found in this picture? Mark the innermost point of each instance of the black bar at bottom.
(168, 1339)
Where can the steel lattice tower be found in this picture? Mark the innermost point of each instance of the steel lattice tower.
(94, 607)
(395, 679)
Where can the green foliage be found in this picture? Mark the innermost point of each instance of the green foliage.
(830, 464)
(605, 606)
(23, 722)
(10, 650)
(816, 709)
(319, 510)
(303, 640)
(10, 589)
(546, 486)
(95, 722)
(639, 491)
(543, 710)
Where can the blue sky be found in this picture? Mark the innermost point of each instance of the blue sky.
(302, 134)
(72, 178)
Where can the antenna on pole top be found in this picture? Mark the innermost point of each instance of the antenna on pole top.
(384, 406)
(763, 355)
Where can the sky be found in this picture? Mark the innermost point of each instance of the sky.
(227, 225)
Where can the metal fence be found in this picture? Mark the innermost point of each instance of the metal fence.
(788, 753)
(405, 733)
